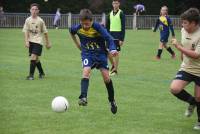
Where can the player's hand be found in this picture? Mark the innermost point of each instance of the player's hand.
(174, 41)
(114, 53)
(27, 44)
(48, 45)
(121, 43)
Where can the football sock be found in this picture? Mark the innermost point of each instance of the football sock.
(159, 52)
(198, 111)
(170, 51)
(32, 67)
(110, 90)
(84, 87)
(185, 96)
(39, 67)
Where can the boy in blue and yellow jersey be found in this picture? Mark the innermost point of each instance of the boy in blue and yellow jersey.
(115, 24)
(165, 25)
(94, 54)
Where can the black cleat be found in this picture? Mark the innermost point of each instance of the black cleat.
(113, 107)
(82, 102)
(29, 77)
(41, 76)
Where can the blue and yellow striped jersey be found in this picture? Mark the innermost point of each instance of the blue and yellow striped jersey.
(165, 24)
(93, 40)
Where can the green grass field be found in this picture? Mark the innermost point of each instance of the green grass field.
(145, 105)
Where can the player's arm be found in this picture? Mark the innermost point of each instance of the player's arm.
(46, 37)
(76, 42)
(171, 27)
(108, 23)
(156, 26)
(48, 45)
(73, 31)
(26, 37)
(26, 34)
(122, 16)
(108, 38)
(190, 53)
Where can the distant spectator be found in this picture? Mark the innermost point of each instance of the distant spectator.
(57, 18)
(2, 16)
(139, 8)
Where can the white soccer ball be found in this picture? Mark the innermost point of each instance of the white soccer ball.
(60, 104)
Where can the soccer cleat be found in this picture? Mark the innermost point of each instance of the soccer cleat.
(173, 56)
(114, 72)
(113, 107)
(197, 126)
(41, 76)
(82, 102)
(29, 77)
(189, 111)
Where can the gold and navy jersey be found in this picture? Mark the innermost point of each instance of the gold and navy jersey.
(165, 24)
(93, 40)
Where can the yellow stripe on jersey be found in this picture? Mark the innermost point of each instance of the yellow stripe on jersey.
(163, 19)
(92, 33)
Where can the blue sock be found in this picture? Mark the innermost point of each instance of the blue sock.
(84, 87)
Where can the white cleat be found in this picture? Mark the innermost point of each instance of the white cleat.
(189, 111)
(197, 126)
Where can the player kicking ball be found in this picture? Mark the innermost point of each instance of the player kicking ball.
(94, 54)
(190, 67)
(33, 29)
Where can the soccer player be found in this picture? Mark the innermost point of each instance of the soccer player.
(190, 67)
(33, 29)
(115, 24)
(94, 54)
(164, 23)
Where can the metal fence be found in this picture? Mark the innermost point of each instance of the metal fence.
(16, 20)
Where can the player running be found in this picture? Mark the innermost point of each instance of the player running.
(94, 54)
(33, 29)
(190, 67)
(165, 24)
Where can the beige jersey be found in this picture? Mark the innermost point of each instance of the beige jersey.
(192, 42)
(35, 29)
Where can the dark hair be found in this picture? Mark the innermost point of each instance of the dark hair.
(116, 0)
(190, 15)
(34, 4)
(85, 14)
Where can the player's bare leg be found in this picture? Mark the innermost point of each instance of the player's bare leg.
(112, 62)
(84, 86)
(177, 89)
(110, 90)
(197, 97)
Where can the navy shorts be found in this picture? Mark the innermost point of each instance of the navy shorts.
(97, 61)
(35, 48)
(182, 75)
(164, 37)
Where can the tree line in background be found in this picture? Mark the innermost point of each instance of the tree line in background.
(99, 6)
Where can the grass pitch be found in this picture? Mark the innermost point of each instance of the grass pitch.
(145, 105)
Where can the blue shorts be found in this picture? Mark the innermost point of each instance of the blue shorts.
(97, 61)
(164, 37)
